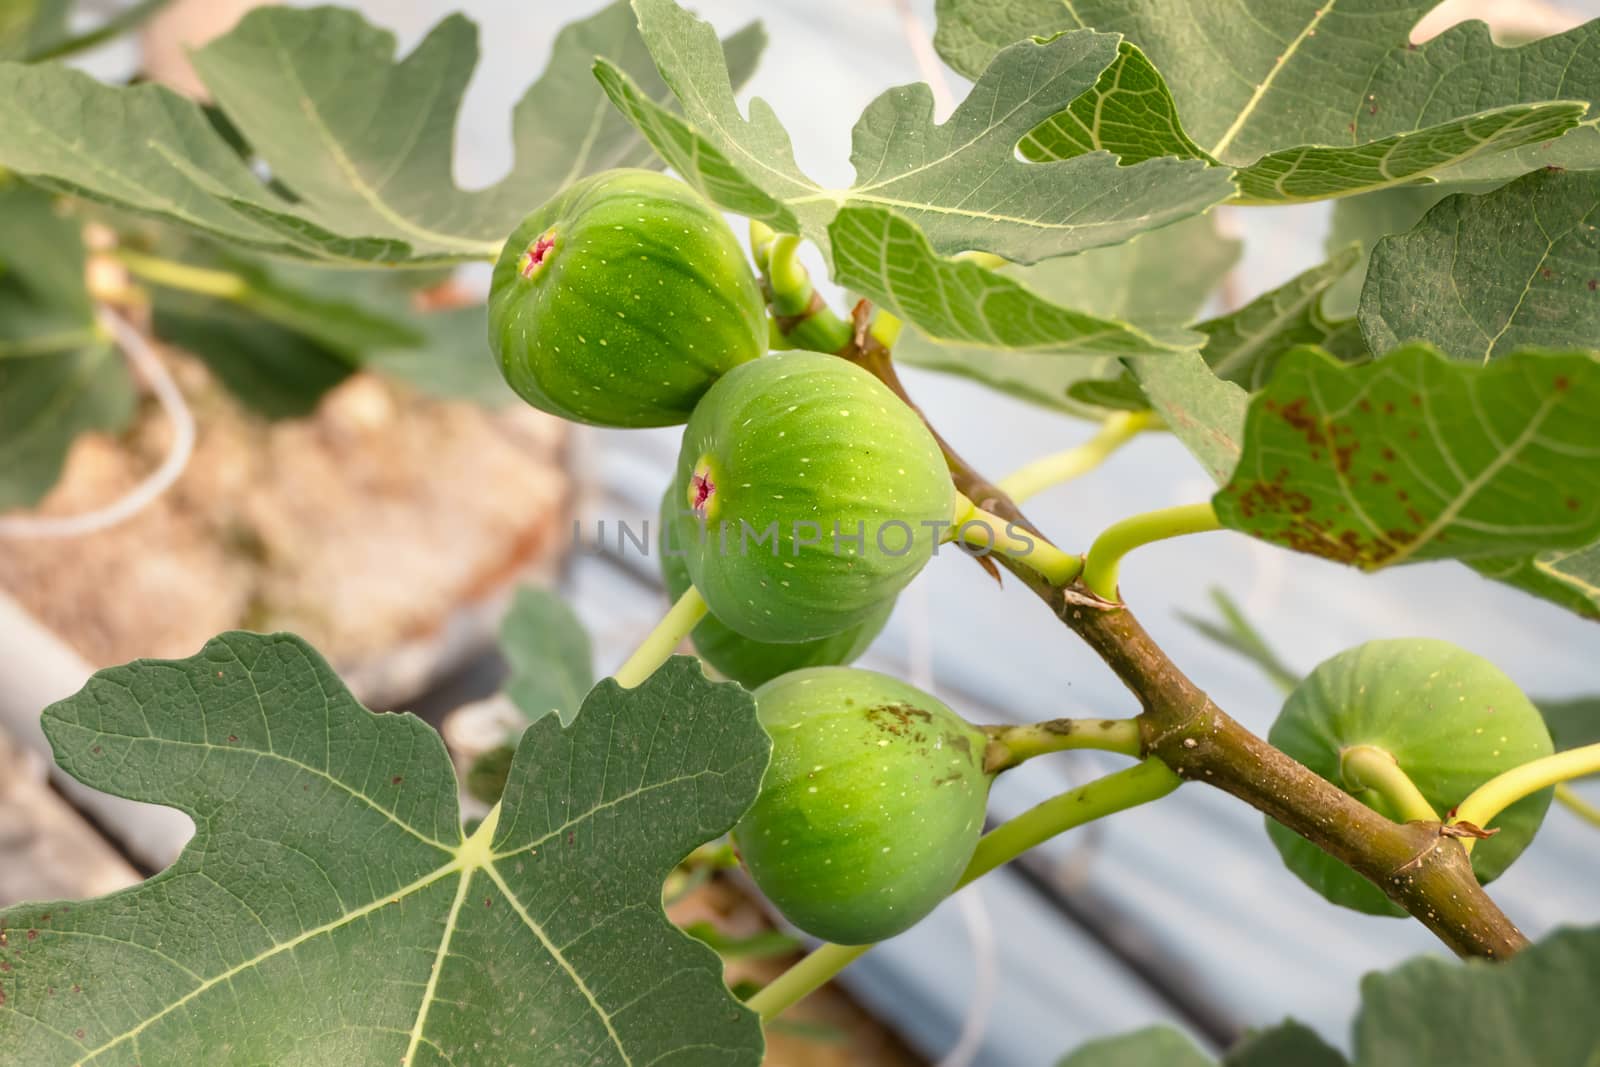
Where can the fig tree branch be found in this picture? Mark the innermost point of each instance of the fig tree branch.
(1416, 865)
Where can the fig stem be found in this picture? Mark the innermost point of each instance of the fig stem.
(791, 282)
(990, 533)
(1041, 474)
(1500, 792)
(809, 974)
(1580, 807)
(1128, 788)
(798, 310)
(224, 285)
(660, 643)
(1010, 745)
(1150, 780)
(1368, 767)
(885, 328)
(1120, 538)
(987, 260)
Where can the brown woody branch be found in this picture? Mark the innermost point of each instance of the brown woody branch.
(1419, 868)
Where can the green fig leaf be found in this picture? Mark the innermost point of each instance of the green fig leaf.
(36, 30)
(330, 908)
(450, 361)
(1361, 221)
(1415, 457)
(888, 259)
(1535, 1008)
(363, 140)
(1287, 1043)
(1244, 346)
(45, 403)
(1484, 275)
(1573, 723)
(1253, 89)
(1282, 1045)
(1202, 410)
(1155, 1044)
(1202, 396)
(961, 181)
(1568, 578)
(1153, 285)
(60, 376)
(273, 371)
(28, 27)
(45, 308)
(1401, 1022)
(1129, 112)
(552, 663)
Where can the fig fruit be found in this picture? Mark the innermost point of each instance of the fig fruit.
(752, 663)
(621, 300)
(871, 807)
(811, 495)
(1450, 719)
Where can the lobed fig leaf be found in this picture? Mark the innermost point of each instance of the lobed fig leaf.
(811, 496)
(754, 663)
(621, 300)
(871, 806)
(1450, 719)
(331, 910)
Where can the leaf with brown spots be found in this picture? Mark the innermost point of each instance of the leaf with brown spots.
(1416, 457)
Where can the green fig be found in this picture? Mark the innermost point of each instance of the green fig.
(752, 663)
(1450, 719)
(871, 807)
(811, 495)
(621, 300)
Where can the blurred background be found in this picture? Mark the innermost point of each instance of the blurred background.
(395, 527)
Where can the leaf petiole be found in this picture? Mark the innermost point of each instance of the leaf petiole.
(1114, 432)
(1569, 798)
(114, 26)
(1118, 539)
(659, 644)
(1500, 792)
(1150, 780)
(221, 284)
(799, 312)
(1368, 767)
(989, 532)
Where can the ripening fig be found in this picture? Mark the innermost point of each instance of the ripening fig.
(1450, 719)
(752, 663)
(871, 807)
(621, 300)
(811, 495)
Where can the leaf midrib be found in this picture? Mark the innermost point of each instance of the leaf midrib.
(346, 165)
(1266, 83)
(465, 861)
